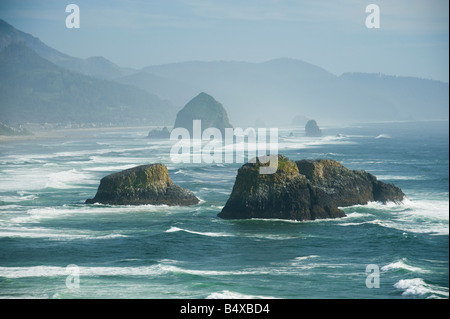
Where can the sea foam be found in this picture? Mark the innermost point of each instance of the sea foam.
(209, 234)
(403, 265)
(418, 287)
(226, 294)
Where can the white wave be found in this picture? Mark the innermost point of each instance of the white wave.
(24, 179)
(210, 234)
(306, 142)
(51, 271)
(417, 286)
(356, 215)
(402, 264)
(305, 257)
(153, 270)
(383, 136)
(9, 207)
(54, 234)
(20, 198)
(415, 216)
(35, 178)
(104, 151)
(115, 160)
(276, 220)
(109, 168)
(68, 179)
(37, 214)
(226, 294)
(400, 178)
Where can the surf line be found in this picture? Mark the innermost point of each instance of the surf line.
(188, 309)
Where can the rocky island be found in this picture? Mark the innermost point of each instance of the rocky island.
(145, 184)
(312, 129)
(303, 190)
(158, 133)
(205, 108)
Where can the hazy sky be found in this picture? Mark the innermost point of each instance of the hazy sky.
(412, 39)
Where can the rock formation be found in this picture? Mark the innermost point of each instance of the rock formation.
(145, 184)
(303, 190)
(205, 108)
(312, 129)
(159, 133)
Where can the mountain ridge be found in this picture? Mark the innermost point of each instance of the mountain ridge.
(34, 89)
(271, 92)
(93, 66)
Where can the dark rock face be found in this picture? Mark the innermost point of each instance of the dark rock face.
(303, 190)
(312, 129)
(205, 108)
(145, 184)
(339, 186)
(159, 133)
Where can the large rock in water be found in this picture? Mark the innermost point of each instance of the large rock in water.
(157, 133)
(312, 129)
(205, 108)
(303, 190)
(145, 184)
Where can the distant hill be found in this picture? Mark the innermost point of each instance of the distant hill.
(176, 91)
(414, 98)
(272, 92)
(33, 89)
(94, 66)
(276, 91)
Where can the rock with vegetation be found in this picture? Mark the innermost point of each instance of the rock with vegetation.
(337, 185)
(303, 190)
(205, 108)
(158, 133)
(312, 129)
(145, 184)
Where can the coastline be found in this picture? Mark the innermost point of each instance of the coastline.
(68, 133)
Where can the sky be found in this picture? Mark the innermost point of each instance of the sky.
(412, 40)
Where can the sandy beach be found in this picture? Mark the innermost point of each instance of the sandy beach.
(71, 133)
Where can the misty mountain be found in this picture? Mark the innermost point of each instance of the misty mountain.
(94, 66)
(276, 91)
(174, 90)
(271, 93)
(416, 98)
(33, 89)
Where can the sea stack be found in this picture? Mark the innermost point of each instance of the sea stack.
(312, 129)
(303, 190)
(145, 184)
(205, 108)
(157, 133)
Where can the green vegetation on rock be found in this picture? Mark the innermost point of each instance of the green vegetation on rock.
(303, 190)
(145, 184)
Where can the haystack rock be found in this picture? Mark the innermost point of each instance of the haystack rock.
(312, 129)
(205, 108)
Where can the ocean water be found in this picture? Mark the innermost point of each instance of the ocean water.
(52, 245)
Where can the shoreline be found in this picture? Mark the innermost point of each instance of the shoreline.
(88, 132)
(69, 133)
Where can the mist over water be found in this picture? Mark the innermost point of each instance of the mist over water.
(187, 252)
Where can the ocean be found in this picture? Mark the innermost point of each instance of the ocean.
(52, 245)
